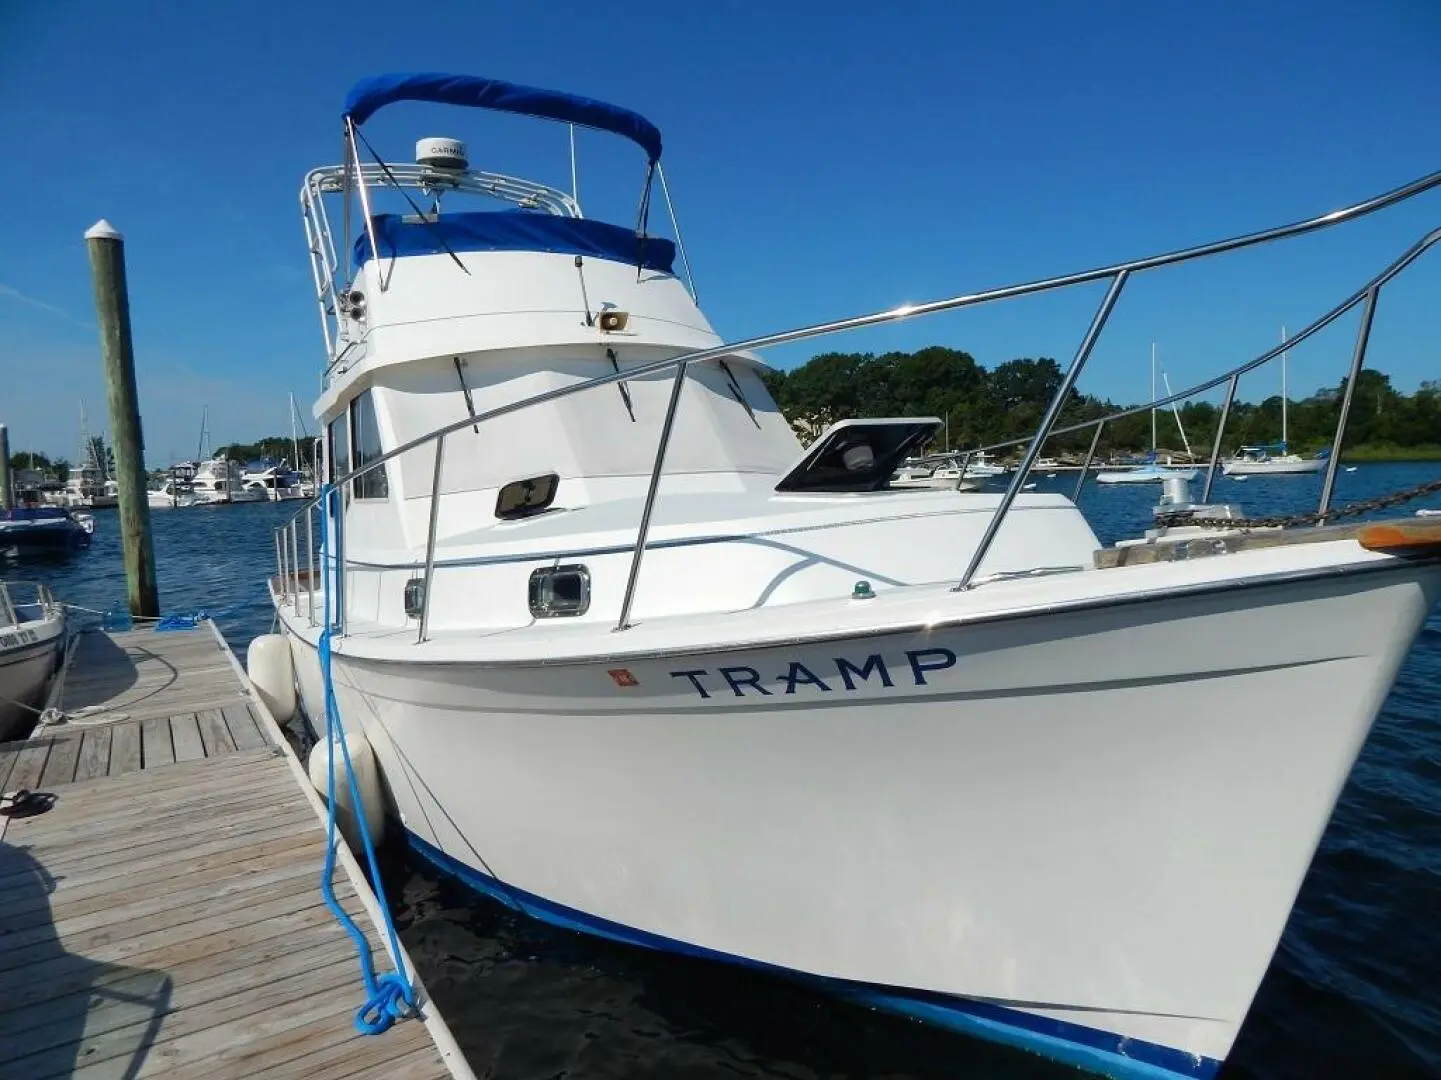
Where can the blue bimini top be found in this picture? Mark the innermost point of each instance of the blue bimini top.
(369, 95)
(515, 230)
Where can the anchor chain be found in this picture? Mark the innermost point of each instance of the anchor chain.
(1380, 502)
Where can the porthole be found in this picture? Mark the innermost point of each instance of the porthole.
(557, 591)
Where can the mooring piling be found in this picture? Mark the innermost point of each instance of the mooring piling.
(112, 310)
(7, 497)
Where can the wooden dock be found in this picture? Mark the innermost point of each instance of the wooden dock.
(163, 918)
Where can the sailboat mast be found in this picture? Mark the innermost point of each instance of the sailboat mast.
(1283, 390)
(1153, 395)
(294, 442)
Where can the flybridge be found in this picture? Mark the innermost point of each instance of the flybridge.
(542, 219)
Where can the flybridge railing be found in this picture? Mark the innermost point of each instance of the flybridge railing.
(1116, 276)
(325, 257)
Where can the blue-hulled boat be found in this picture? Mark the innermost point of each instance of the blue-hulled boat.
(43, 529)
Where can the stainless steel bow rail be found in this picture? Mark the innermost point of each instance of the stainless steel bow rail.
(287, 546)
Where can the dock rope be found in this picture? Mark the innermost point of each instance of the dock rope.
(391, 996)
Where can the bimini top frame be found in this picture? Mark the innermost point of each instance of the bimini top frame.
(1116, 277)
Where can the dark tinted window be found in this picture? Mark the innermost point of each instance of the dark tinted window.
(365, 438)
(521, 498)
(337, 452)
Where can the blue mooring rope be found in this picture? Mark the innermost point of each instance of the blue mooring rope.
(391, 997)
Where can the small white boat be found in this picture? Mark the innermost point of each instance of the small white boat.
(170, 495)
(32, 635)
(1274, 460)
(943, 472)
(1260, 461)
(1146, 474)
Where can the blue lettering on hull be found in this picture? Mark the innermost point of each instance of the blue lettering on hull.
(848, 675)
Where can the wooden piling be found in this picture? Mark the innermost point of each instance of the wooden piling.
(7, 493)
(112, 311)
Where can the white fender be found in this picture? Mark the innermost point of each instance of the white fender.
(367, 780)
(271, 669)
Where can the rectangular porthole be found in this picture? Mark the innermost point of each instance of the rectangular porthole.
(522, 498)
(414, 597)
(559, 591)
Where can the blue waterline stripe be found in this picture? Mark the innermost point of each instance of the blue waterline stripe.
(1060, 1040)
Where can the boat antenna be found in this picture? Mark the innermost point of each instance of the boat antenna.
(584, 299)
(425, 218)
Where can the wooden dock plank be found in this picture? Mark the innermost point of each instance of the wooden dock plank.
(213, 733)
(125, 748)
(156, 745)
(33, 1032)
(94, 753)
(185, 730)
(242, 727)
(8, 753)
(30, 764)
(64, 756)
(163, 917)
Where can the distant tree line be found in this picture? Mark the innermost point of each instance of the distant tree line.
(58, 468)
(274, 447)
(988, 406)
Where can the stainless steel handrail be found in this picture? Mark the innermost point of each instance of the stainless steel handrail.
(1117, 273)
(1358, 358)
(1083, 353)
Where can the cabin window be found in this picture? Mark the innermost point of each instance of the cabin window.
(337, 450)
(365, 440)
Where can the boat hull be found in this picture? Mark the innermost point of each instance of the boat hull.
(47, 535)
(28, 655)
(1273, 468)
(1145, 476)
(1041, 829)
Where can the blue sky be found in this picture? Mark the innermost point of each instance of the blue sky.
(826, 159)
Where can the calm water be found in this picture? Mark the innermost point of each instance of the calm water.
(1355, 990)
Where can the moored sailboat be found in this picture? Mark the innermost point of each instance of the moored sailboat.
(755, 716)
(1274, 459)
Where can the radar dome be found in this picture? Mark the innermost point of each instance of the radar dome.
(447, 154)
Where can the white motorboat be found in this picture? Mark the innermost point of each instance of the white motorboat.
(32, 638)
(943, 471)
(1150, 473)
(276, 482)
(172, 494)
(635, 663)
(218, 481)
